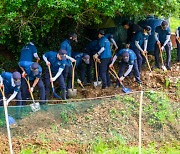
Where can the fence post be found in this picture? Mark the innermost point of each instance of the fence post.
(140, 118)
(7, 125)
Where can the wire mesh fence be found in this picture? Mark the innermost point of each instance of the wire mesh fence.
(113, 118)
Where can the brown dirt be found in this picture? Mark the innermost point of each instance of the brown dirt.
(45, 130)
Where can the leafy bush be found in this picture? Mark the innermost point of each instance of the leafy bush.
(48, 21)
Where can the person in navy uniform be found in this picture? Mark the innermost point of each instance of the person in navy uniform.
(128, 59)
(162, 36)
(139, 44)
(11, 83)
(105, 56)
(111, 40)
(33, 72)
(132, 29)
(91, 49)
(178, 43)
(82, 64)
(57, 61)
(66, 45)
(28, 52)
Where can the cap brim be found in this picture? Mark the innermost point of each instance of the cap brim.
(63, 57)
(17, 83)
(86, 61)
(35, 72)
(149, 33)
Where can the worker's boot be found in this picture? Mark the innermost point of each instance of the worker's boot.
(64, 94)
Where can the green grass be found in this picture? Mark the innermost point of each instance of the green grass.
(174, 23)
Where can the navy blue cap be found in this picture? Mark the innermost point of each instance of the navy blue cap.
(62, 53)
(17, 78)
(125, 56)
(16, 75)
(164, 24)
(101, 32)
(74, 36)
(86, 58)
(148, 28)
(35, 68)
(35, 65)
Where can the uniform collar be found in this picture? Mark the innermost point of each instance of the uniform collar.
(12, 82)
(31, 43)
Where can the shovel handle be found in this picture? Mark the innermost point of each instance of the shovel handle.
(114, 71)
(162, 61)
(81, 85)
(178, 39)
(29, 87)
(146, 57)
(110, 71)
(50, 74)
(2, 91)
(73, 69)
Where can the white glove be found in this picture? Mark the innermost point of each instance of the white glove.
(111, 65)
(121, 78)
(78, 81)
(1, 85)
(32, 89)
(7, 102)
(95, 56)
(24, 74)
(48, 63)
(4, 99)
(162, 48)
(73, 60)
(52, 79)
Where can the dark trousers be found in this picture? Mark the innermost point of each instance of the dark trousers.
(103, 71)
(135, 70)
(25, 90)
(60, 79)
(18, 97)
(168, 55)
(67, 73)
(82, 71)
(139, 58)
(178, 51)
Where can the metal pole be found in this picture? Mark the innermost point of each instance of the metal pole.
(140, 118)
(7, 125)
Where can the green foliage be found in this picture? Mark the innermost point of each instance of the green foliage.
(178, 88)
(64, 116)
(159, 110)
(174, 23)
(113, 147)
(49, 21)
(167, 82)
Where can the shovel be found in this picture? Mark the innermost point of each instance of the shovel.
(178, 39)
(124, 89)
(163, 66)
(97, 83)
(147, 61)
(52, 85)
(9, 120)
(80, 83)
(72, 92)
(35, 106)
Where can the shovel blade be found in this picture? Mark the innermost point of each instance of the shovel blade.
(97, 83)
(11, 120)
(35, 106)
(72, 92)
(164, 68)
(125, 90)
(55, 94)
